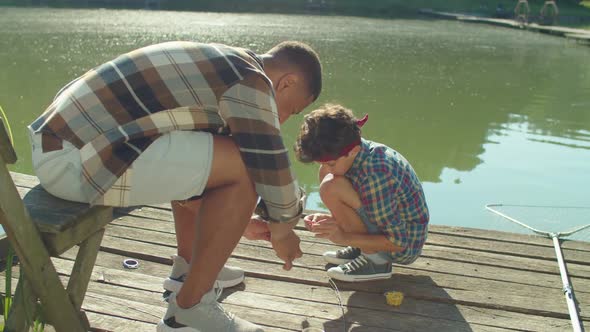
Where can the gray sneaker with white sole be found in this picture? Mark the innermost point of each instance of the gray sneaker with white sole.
(342, 256)
(361, 269)
(207, 315)
(229, 276)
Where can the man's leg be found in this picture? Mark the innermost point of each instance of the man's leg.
(219, 228)
(185, 224)
(185, 220)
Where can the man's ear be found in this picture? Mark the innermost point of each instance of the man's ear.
(288, 80)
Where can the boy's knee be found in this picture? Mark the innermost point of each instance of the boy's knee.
(338, 189)
(328, 186)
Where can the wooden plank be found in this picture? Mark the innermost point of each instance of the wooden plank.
(490, 288)
(146, 307)
(62, 224)
(386, 318)
(435, 258)
(369, 301)
(103, 323)
(428, 286)
(486, 234)
(34, 258)
(149, 217)
(6, 150)
(82, 269)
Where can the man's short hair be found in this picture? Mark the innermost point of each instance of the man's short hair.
(305, 59)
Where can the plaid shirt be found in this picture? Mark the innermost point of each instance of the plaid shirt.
(115, 111)
(392, 197)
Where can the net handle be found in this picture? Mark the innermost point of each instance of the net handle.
(490, 207)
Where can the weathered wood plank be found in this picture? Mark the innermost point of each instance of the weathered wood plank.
(34, 258)
(82, 269)
(7, 152)
(467, 279)
(107, 323)
(465, 265)
(150, 218)
(429, 286)
(62, 223)
(370, 301)
(358, 308)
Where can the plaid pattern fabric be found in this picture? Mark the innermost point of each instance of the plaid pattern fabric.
(115, 111)
(392, 197)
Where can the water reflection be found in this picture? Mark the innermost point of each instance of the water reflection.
(462, 102)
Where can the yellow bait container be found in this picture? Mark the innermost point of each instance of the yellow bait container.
(394, 298)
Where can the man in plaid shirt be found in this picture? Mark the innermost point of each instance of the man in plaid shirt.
(196, 125)
(377, 204)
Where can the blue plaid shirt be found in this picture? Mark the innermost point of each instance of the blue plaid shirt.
(392, 197)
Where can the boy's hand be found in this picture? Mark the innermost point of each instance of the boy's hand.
(257, 229)
(285, 242)
(329, 229)
(312, 219)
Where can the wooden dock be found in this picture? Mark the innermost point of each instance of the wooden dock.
(579, 35)
(466, 280)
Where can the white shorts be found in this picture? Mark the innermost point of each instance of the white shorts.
(176, 166)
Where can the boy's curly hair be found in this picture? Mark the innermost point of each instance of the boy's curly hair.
(325, 132)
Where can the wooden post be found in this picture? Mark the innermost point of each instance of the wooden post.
(34, 258)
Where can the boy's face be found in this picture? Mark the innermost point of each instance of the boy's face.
(341, 165)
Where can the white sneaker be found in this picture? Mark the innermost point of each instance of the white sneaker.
(228, 276)
(206, 316)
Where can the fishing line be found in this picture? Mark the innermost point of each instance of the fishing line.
(335, 288)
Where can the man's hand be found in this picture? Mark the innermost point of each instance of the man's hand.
(257, 229)
(286, 247)
(329, 229)
(285, 242)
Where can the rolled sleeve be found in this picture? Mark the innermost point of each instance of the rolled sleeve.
(249, 110)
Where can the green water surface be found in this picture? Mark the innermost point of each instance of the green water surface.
(484, 114)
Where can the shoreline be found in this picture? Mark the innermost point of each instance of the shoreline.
(580, 36)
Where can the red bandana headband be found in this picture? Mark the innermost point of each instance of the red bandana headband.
(347, 148)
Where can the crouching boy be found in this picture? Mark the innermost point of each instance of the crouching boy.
(377, 206)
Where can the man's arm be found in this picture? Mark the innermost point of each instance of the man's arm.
(249, 110)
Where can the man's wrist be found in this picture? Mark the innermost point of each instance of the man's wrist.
(281, 230)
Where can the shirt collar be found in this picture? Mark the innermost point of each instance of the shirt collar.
(360, 157)
(256, 57)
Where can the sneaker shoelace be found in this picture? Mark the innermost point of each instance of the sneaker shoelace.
(218, 292)
(346, 251)
(355, 264)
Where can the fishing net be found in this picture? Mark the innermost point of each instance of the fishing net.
(554, 222)
(571, 222)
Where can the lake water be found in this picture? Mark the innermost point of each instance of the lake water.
(484, 114)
